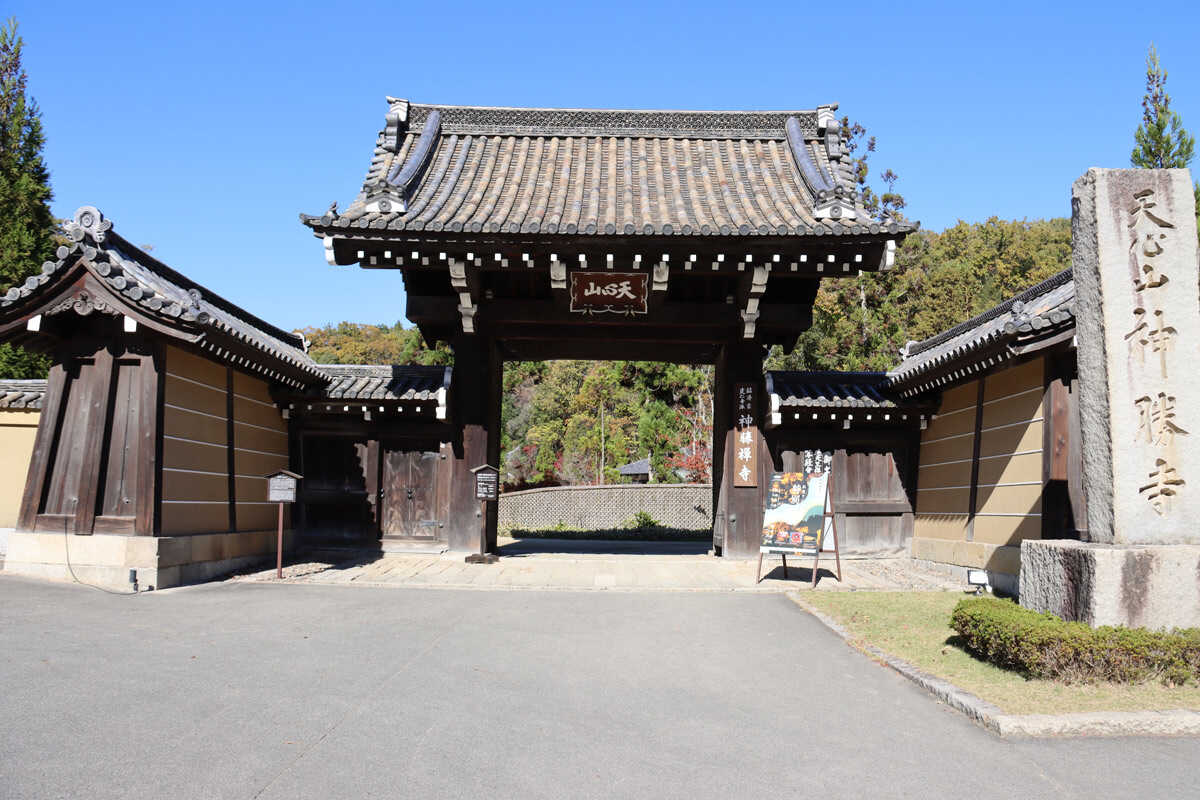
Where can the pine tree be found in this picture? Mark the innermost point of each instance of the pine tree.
(1161, 140)
(27, 227)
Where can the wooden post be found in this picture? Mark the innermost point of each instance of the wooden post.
(831, 515)
(476, 396)
(739, 362)
(281, 488)
(279, 547)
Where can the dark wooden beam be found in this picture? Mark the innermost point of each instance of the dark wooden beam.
(96, 385)
(44, 445)
(150, 464)
(381, 248)
(230, 454)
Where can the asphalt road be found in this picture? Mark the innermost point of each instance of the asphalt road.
(250, 690)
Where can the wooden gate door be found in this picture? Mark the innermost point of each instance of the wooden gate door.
(409, 494)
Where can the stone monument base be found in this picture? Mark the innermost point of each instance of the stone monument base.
(1150, 586)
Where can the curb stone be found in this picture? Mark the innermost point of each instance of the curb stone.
(1176, 722)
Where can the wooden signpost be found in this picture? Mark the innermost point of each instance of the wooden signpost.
(281, 488)
(487, 490)
(799, 510)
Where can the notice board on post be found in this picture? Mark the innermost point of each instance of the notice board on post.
(798, 516)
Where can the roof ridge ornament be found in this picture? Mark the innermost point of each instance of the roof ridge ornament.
(393, 195)
(832, 201)
(88, 221)
(395, 122)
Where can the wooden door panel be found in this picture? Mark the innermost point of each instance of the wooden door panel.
(409, 494)
(121, 471)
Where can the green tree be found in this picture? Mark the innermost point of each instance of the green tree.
(1161, 141)
(940, 280)
(352, 343)
(27, 228)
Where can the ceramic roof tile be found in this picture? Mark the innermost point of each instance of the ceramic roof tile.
(1042, 309)
(384, 382)
(599, 172)
(639, 467)
(804, 389)
(160, 292)
(22, 394)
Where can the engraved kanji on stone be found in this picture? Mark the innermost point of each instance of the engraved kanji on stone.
(744, 473)
(1156, 419)
(745, 437)
(1147, 230)
(743, 454)
(1157, 336)
(1163, 486)
(745, 421)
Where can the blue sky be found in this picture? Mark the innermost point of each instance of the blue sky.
(204, 129)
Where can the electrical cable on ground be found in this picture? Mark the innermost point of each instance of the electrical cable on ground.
(71, 569)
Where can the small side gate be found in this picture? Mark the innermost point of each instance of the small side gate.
(409, 494)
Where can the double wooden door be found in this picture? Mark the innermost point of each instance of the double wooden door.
(409, 494)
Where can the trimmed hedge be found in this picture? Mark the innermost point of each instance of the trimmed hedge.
(1044, 646)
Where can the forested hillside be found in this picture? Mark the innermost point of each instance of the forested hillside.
(575, 422)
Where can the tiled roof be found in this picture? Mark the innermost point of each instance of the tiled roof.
(639, 467)
(16, 394)
(597, 172)
(160, 292)
(386, 382)
(829, 389)
(1044, 309)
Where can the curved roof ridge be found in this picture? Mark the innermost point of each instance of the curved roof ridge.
(1053, 282)
(796, 186)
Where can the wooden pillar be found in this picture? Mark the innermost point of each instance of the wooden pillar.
(476, 399)
(494, 399)
(740, 507)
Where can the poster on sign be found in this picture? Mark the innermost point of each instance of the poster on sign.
(798, 516)
(795, 518)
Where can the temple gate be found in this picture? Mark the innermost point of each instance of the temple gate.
(691, 237)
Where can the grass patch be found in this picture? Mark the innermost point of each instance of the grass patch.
(916, 627)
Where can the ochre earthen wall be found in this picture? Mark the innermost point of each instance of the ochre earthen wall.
(195, 482)
(1008, 480)
(196, 447)
(260, 447)
(17, 431)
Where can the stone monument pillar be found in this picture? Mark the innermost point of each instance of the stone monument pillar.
(1137, 310)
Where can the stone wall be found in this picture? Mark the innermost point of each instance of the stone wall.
(673, 505)
(160, 561)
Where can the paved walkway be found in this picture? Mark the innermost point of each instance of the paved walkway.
(254, 690)
(619, 566)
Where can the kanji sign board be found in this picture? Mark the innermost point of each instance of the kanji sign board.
(487, 482)
(281, 487)
(609, 292)
(745, 436)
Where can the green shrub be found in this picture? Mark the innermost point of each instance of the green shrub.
(641, 521)
(1044, 646)
(659, 534)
